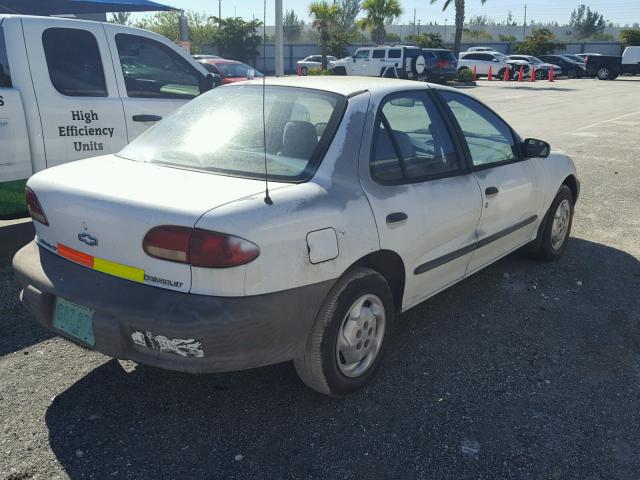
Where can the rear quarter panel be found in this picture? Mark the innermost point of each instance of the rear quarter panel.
(333, 198)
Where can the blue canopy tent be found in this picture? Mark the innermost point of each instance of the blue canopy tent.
(63, 7)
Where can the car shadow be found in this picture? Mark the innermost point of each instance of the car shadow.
(557, 89)
(526, 370)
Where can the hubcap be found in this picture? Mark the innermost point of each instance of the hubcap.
(360, 335)
(560, 225)
(603, 73)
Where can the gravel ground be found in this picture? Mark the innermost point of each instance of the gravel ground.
(526, 370)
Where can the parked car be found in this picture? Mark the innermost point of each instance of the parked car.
(230, 71)
(381, 194)
(482, 61)
(541, 68)
(441, 65)
(83, 89)
(398, 61)
(568, 67)
(608, 67)
(313, 61)
(203, 56)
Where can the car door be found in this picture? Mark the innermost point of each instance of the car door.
(480, 61)
(377, 63)
(361, 60)
(512, 187)
(153, 77)
(425, 203)
(75, 87)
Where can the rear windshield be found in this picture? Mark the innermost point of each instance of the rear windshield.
(445, 55)
(5, 74)
(222, 132)
(234, 70)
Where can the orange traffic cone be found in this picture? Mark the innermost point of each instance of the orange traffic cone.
(506, 74)
(521, 74)
(475, 73)
(299, 70)
(551, 74)
(490, 76)
(532, 78)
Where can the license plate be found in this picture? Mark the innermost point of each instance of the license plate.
(75, 320)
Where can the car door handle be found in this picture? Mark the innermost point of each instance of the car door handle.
(146, 118)
(491, 191)
(396, 217)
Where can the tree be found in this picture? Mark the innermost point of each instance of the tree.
(481, 21)
(292, 26)
(121, 18)
(426, 40)
(349, 10)
(459, 6)
(378, 13)
(630, 37)
(507, 38)
(477, 35)
(539, 42)
(391, 37)
(202, 28)
(586, 23)
(238, 39)
(324, 17)
(510, 22)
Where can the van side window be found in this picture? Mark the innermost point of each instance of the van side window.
(153, 70)
(5, 74)
(74, 62)
(378, 54)
(395, 53)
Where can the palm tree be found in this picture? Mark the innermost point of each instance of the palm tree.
(324, 16)
(379, 12)
(459, 5)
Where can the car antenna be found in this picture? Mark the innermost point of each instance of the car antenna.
(267, 198)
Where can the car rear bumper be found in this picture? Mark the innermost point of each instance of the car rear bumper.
(136, 321)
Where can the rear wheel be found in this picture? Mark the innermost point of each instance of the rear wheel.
(572, 73)
(304, 71)
(553, 234)
(348, 339)
(604, 73)
(541, 74)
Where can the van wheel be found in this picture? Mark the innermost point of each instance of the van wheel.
(344, 349)
(553, 233)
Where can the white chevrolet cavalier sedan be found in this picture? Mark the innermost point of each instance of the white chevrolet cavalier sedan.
(381, 193)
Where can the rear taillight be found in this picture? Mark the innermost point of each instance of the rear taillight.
(442, 64)
(35, 209)
(586, 60)
(200, 248)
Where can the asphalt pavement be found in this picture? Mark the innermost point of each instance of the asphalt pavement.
(526, 370)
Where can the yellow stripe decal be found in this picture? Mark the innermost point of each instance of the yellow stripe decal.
(118, 270)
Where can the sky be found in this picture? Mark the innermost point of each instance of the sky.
(617, 11)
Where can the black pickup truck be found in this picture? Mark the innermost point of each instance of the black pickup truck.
(607, 67)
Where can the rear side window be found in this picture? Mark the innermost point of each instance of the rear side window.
(153, 70)
(411, 142)
(445, 55)
(395, 53)
(74, 62)
(5, 74)
(378, 54)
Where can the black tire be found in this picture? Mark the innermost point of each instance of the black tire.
(318, 367)
(304, 71)
(541, 75)
(339, 71)
(572, 73)
(543, 247)
(603, 73)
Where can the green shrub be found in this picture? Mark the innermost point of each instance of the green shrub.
(318, 71)
(465, 75)
(630, 37)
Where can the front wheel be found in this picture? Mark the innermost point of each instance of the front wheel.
(346, 344)
(304, 71)
(553, 234)
(604, 73)
(572, 73)
(541, 74)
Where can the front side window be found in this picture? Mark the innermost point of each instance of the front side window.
(223, 132)
(153, 70)
(489, 138)
(5, 74)
(362, 55)
(410, 141)
(74, 62)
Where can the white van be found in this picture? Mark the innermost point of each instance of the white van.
(71, 89)
(631, 60)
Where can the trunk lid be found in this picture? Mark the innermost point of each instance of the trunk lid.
(100, 209)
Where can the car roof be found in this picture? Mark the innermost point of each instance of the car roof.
(346, 85)
(217, 61)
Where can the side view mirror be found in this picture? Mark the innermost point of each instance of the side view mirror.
(534, 148)
(210, 81)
